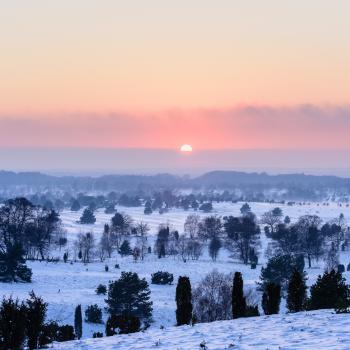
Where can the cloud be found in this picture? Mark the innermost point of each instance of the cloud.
(243, 127)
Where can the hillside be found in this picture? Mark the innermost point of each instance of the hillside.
(308, 330)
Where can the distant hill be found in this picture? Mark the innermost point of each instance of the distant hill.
(216, 180)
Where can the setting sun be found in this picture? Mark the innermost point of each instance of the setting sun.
(186, 148)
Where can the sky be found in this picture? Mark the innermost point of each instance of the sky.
(219, 75)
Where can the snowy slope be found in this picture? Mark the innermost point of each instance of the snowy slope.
(309, 330)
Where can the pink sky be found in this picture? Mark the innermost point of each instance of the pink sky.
(156, 74)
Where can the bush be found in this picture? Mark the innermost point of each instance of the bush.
(122, 324)
(93, 314)
(329, 291)
(101, 289)
(296, 297)
(65, 333)
(97, 335)
(161, 277)
(341, 268)
(252, 311)
(348, 267)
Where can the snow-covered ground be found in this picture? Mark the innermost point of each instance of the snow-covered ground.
(306, 330)
(64, 286)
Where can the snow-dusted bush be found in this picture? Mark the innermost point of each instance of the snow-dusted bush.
(212, 298)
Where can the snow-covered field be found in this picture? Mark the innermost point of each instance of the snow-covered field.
(307, 331)
(64, 286)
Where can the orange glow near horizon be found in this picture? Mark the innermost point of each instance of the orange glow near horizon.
(118, 74)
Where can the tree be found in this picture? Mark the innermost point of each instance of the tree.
(242, 235)
(78, 322)
(329, 291)
(239, 304)
(191, 226)
(86, 244)
(183, 301)
(206, 207)
(12, 324)
(245, 209)
(271, 299)
(130, 296)
(272, 218)
(162, 241)
(12, 264)
(88, 217)
(311, 239)
(210, 227)
(125, 248)
(212, 298)
(148, 208)
(93, 314)
(280, 268)
(35, 317)
(75, 205)
(296, 293)
(120, 227)
(142, 230)
(107, 241)
(214, 247)
(332, 261)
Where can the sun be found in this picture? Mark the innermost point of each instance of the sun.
(186, 148)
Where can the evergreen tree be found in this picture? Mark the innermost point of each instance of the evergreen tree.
(238, 300)
(35, 317)
(296, 294)
(12, 324)
(78, 322)
(88, 217)
(93, 314)
(125, 248)
(271, 299)
(183, 301)
(130, 296)
(329, 291)
(12, 264)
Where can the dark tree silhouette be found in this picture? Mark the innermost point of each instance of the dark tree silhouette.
(183, 301)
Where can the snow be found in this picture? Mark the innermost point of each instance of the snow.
(307, 330)
(65, 285)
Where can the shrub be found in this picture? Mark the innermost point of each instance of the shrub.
(122, 324)
(341, 268)
(97, 335)
(101, 289)
(161, 277)
(329, 292)
(88, 217)
(93, 314)
(252, 311)
(65, 333)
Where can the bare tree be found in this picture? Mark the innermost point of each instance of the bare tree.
(86, 244)
(142, 230)
(191, 226)
(212, 298)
